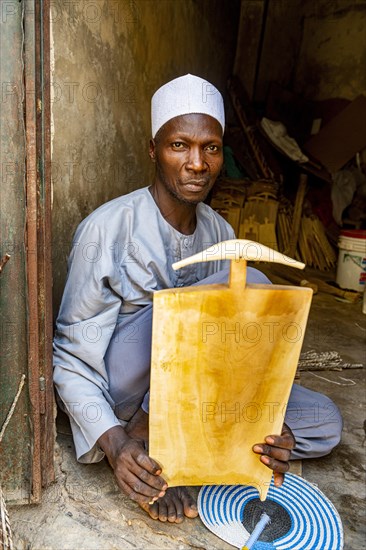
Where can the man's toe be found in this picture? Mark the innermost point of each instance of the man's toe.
(191, 511)
(151, 509)
(189, 505)
(163, 510)
(176, 512)
(172, 512)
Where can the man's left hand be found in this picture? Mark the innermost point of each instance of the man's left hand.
(275, 453)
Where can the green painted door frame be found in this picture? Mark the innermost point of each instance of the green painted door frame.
(26, 449)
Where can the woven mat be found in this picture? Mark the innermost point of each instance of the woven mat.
(314, 521)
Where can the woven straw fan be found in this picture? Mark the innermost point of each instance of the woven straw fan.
(224, 357)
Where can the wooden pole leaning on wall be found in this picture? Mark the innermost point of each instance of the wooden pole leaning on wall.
(296, 220)
(38, 235)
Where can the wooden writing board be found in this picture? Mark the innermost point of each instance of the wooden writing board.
(224, 358)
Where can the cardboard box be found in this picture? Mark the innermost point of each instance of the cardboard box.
(340, 139)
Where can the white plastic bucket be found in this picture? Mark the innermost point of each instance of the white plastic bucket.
(351, 268)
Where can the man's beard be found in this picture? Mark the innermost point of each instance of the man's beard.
(172, 191)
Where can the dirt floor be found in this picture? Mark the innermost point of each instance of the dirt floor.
(84, 509)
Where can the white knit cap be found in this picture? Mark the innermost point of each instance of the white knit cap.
(186, 95)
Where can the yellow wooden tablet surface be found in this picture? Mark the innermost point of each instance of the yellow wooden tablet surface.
(224, 358)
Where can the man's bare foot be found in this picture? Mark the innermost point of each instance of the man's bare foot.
(172, 507)
(177, 502)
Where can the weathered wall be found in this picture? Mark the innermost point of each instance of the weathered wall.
(332, 57)
(317, 48)
(109, 57)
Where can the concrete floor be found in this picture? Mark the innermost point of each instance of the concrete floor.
(85, 509)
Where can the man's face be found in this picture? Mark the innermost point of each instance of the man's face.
(188, 155)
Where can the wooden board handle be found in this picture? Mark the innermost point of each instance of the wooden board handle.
(239, 249)
(238, 275)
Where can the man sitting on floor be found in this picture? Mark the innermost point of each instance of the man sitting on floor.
(122, 253)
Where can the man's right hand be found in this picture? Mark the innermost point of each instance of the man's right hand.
(138, 475)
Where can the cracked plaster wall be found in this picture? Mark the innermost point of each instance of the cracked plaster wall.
(332, 57)
(314, 47)
(108, 58)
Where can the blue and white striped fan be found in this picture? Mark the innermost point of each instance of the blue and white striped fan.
(314, 523)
